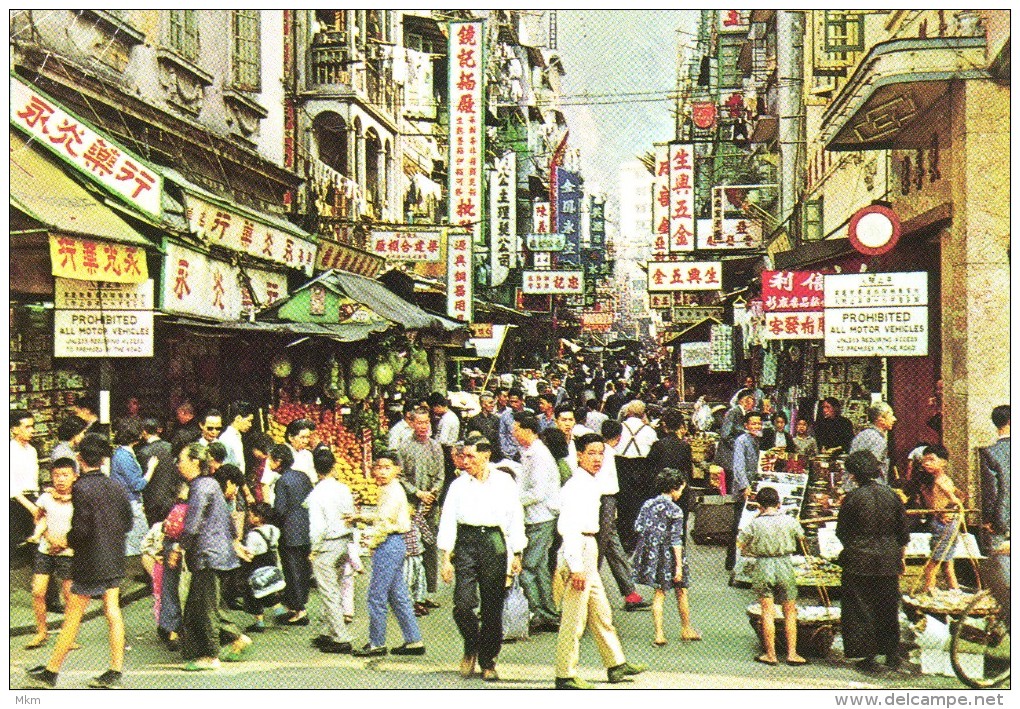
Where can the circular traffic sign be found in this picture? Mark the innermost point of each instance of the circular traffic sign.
(874, 230)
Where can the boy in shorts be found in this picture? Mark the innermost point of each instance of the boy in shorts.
(101, 519)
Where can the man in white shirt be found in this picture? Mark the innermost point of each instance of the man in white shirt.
(539, 483)
(402, 432)
(24, 467)
(481, 535)
(584, 597)
(635, 442)
(447, 424)
(299, 438)
(244, 416)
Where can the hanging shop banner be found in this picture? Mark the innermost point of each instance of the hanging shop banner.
(87, 260)
(91, 153)
(715, 234)
(874, 290)
(102, 333)
(683, 314)
(407, 245)
(733, 234)
(695, 354)
(660, 201)
(72, 294)
(459, 285)
(466, 130)
(546, 242)
(599, 322)
(734, 20)
(540, 218)
(569, 193)
(237, 232)
(333, 255)
(794, 326)
(792, 290)
(660, 301)
(195, 284)
(595, 264)
(553, 282)
(541, 260)
(503, 218)
(681, 197)
(721, 342)
(876, 314)
(704, 114)
(684, 275)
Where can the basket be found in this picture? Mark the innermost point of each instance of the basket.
(814, 636)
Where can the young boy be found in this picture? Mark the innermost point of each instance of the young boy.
(939, 493)
(770, 539)
(53, 521)
(805, 444)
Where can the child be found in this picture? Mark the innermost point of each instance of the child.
(53, 521)
(414, 564)
(769, 539)
(261, 544)
(352, 566)
(152, 562)
(804, 443)
(659, 558)
(939, 493)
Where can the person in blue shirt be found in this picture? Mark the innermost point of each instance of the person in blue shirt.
(745, 464)
(125, 469)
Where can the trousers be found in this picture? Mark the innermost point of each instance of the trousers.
(870, 617)
(297, 572)
(536, 580)
(327, 566)
(479, 563)
(386, 588)
(205, 621)
(610, 547)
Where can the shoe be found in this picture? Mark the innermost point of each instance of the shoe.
(637, 605)
(202, 664)
(369, 651)
(467, 665)
(111, 679)
(868, 666)
(41, 678)
(348, 619)
(320, 640)
(237, 650)
(420, 610)
(37, 641)
(257, 627)
(408, 650)
(659, 643)
(490, 675)
(281, 611)
(544, 626)
(622, 673)
(573, 683)
(300, 621)
(429, 603)
(796, 663)
(333, 647)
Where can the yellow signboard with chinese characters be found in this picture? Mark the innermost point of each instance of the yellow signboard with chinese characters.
(87, 260)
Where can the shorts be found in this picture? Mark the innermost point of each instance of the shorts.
(944, 536)
(94, 589)
(773, 577)
(51, 565)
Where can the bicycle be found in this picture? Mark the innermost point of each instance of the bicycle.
(980, 644)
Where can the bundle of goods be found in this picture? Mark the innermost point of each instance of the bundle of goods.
(940, 601)
(816, 571)
(702, 446)
(816, 628)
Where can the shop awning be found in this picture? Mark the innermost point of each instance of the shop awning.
(40, 189)
(347, 332)
(697, 332)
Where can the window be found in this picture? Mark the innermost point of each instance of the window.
(813, 224)
(246, 57)
(844, 31)
(184, 33)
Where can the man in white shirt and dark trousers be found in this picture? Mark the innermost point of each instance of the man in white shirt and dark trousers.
(636, 441)
(577, 575)
(481, 536)
(329, 504)
(539, 483)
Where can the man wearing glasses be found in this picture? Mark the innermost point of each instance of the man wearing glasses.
(211, 426)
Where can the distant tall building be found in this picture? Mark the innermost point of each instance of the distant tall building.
(635, 210)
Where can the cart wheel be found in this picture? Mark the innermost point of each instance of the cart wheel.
(980, 645)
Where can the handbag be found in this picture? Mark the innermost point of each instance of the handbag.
(265, 581)
(516, 613)
(173, 525)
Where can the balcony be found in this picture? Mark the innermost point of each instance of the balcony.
(334, 70)
(331, 65)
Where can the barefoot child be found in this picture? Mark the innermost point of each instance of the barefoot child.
(659, 559)
(769, 540)
(53, 520)
(939, 493)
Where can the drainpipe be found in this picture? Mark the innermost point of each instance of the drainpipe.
(790, 72)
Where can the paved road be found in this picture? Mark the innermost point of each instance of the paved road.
(283, 658)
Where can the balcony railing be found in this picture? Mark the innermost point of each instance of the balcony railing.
(334, 68)
(331, 65)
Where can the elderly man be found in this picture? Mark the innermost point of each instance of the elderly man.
(578, 580)
(539, 484)
(875, 438)
(745, 464)
(486, 423)
(481, 535)
(401, 432)
(507, 443)
(732, 427)
(422, 478)
(995, 489)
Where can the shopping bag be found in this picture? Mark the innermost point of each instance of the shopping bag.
(516, 613)
(265, 581)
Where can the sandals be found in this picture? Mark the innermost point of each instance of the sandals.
(659, 643)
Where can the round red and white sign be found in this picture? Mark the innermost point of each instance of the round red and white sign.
(874, 230)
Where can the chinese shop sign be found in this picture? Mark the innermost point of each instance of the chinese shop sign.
(102, 319)
(695, 354)
(660, 301)
(733, 20)
(792, 290)
(684, 275)
(731, 234)
(569, 193)
(546, 242)
(540, 218)
(553, 282)
(86, 260)
(467, 127)
(660, 202)
(599, 322)
(342, 257)
(876, 315)
(681, 197)
(794, 326)
(70, 294)
(231, 230)
(503, 218)
(99, 158)
(407, 245)
(459, 285)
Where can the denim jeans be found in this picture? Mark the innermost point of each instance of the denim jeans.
(170, 602)
(387, 588)
(535, 578)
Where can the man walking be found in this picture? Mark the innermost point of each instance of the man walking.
(24, 477)
(244, 416)
(100, 522)
(745, 464)
(584, 597)
(422, 477)
(481, 535)
(539, 484)
(486, 422)
(995, 490)
(156, 458)
(875, 438)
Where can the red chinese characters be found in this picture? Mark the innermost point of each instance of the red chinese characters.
(466, 90)
(794, 326)
(792, 290)
(181, 287)
(684, 275)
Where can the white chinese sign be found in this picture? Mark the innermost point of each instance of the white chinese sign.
(681, 197)
(546, 242)
(234, 231)
(876, 315)
(660, 201)
(503, 218)
(553, 282)
(729, 234)
(684, 275)
(540, 218)
(870, 290)
(195, 284)
(72, 294)
(407, 245)
(467, 125)
(734, 20)
(91, 153)
(541, 259)
(459, 283)
(794, 326)
(102, 333)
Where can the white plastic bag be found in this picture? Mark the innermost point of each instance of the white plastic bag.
(516, 613)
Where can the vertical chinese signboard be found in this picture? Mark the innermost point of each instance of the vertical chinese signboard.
(91, 153)
(792, 301)
(467, 125)
(569, 193)
(503, 218)
(459, 291)
(540, 218)
(681, 197)
(660, 202)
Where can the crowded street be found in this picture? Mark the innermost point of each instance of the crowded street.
(517, 349)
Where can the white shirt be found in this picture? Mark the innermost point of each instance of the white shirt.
(327, 503)
(607, 479)
(231, 438)
(303, 462)
(400, 434)
(494, 502)
(580, 498)
(594, 420)
(643, 438)
(448, 429)
(539, 482)
(24, 468)
(576, 433)
(269, 478)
